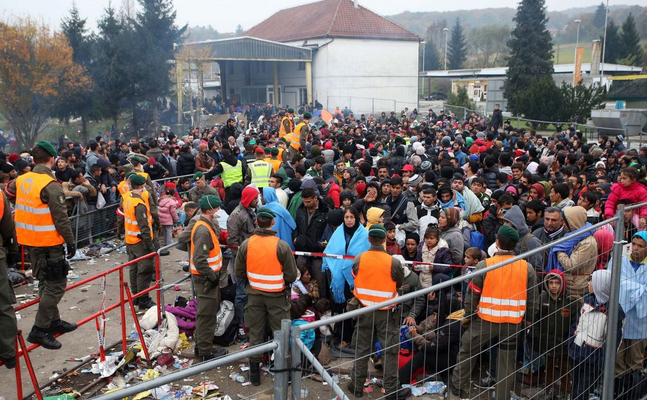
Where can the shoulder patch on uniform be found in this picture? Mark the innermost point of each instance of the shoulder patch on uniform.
(204, 246)
(61, 199)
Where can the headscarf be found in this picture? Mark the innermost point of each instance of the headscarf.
(350, 231)
(601, 285)
(284, 225)
(540, 191)
(346, 194)
(452, 214)
(605, 244)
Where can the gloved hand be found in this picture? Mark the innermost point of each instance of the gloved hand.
(71, 250)
(214, 282)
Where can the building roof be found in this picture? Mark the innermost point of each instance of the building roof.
(628, 90)
(252, 49)
(329, 19)
(609, 69)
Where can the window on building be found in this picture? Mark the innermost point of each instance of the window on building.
(303, 95)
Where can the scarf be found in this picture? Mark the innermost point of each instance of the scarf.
(450, 204)
(341, 270)
(574, 238)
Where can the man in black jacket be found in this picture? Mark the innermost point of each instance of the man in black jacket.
(311, 220)
(229, 129)
(497, 117)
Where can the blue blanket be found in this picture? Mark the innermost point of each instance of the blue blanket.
(459, 199)
(341, 270)
(567, 247)
(283, 222)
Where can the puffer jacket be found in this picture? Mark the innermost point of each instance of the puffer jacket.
(636, 192)
(185, 164)
(490, 177)
(167, 210)
(583, 260)
(440, 255)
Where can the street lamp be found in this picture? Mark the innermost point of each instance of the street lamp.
(604, 43)
(446, 33)
(577, 43)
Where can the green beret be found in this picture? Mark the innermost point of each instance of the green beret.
(47, 146)
(137, 179)
(307, 116)
(291, 110)
(274, 150)
(265, 212)
(197, 176)
(509, 233)
(129, 174)
(139, 160)
(209, 202)
(377, 231)
(266, 149)
(252, 141)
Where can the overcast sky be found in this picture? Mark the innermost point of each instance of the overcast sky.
(226, 15)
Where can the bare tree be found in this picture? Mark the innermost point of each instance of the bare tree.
(487, 45)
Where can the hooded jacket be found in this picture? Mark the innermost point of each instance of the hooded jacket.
(185, 163)
(240, 224)
(636, 192)
(527, 241)
(310, 229)
(583, 259)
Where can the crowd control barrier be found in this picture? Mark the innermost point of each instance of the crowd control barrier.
(291, 353)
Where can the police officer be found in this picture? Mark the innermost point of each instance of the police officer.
(9, 249)
(138, 226)
(377, 278)
(499, 302)
(205, 264)
(259, 171)
(42, 226)
(269, 266)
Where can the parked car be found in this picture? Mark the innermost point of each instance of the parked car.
(436, 96)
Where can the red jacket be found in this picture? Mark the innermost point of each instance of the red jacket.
(333, 192)
(636, 192)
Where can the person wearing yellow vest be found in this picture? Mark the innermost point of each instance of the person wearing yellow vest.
(140, 239)
(259, 170)
(377, 278)
(496, 306)
(43, 227)
(287, 123)
(298, 138)
(269, 266)
(231, 170)
(8, 254)
(205, 264)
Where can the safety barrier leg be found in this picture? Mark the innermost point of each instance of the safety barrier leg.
(158, 274)
(139, 328)
(295, 353)
(122, 305)
(18, 373)
(281, 365)
(30, 367)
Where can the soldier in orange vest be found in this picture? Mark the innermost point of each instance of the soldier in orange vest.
(140, 239)
(205, 264)
(269, 266)
(496, 306)
(377, 279)
(43, 227)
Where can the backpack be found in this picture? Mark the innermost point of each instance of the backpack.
(524, 242)
(477, 239)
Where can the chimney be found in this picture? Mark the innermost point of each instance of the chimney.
(596, 55)
(355, 2)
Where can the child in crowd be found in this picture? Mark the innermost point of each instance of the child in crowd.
(628, 189)
(434, 250)
(586, 345)
(472, 257)
(167, 209)
(300, 314)
(392, 246)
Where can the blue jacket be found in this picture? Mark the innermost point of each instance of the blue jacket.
(284, 225)
(633, 299)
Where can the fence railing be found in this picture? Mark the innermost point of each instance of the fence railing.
(592, 372)
(369, 105)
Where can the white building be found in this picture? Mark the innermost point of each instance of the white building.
(333, 51)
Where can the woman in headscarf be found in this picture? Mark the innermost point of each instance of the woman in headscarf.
(350, 239)
(284, 224)
(536, 192)
(410, 250)
(349, 179)
(346, 199)
(448, 224)
(374, 215)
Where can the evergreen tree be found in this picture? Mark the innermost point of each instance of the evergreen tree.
(431, 57)
(531, 52)
(80, 41)
(239, 31)
(157, 36)
(631, 50)
(613, 50)
(457, 52)
(600, 16)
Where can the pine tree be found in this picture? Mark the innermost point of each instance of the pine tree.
(531, 52)
(158, 36)
(613, 51)
(431, 57)
(239, 31)
(457, 52)
(600, 16)
(631, 50)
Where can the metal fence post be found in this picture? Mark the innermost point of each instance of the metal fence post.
(295, 353)
(281, 357)
(610, 347)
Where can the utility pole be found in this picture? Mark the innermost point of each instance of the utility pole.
(604, 44)
(446, 34)
(577, 43)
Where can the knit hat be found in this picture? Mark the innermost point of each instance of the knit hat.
(47, 146)
(137, 179)
(13, 157)
(360, 188)
(169, 185)
(452, 214)
(21, 164)
(328, 145)
(377, 231)
(209, 202)
(197, 176)
(265, 212)
(425, 165)
(248, 195)
(336, 217)
(509, 233)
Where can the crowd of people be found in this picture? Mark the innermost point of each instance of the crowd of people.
(424, 198)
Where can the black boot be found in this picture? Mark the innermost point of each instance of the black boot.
(357, 392)
(145, 303)
(61, 326)
(10, 363)
(43, 338)
(255, 374)
(165, 253)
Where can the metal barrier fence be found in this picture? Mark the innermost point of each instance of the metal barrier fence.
(369, 105)
(520, 349)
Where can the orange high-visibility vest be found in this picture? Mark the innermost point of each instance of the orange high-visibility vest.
(130, 219)
(282, 131)
(374, 283)
(34, 223)
(1, 206)
(264, 271)
(142, 173)
(123, 187)
(503, 298)
(276, 164)
(294, 137)
(214, 259)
